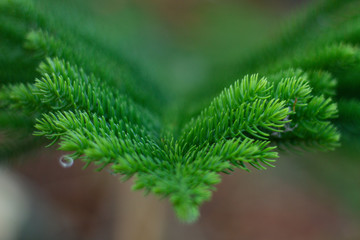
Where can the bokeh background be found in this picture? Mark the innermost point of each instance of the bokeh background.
(181, 45)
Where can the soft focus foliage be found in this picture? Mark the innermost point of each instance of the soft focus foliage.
(64, 80)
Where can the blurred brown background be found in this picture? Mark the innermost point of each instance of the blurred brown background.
(184, 40)
(285, 202)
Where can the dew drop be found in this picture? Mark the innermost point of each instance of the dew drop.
(66, 161)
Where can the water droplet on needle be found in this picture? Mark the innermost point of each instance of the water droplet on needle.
(66, 161)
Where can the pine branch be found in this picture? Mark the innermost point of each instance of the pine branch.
(101, 109)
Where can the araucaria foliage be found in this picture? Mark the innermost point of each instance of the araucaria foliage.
(75, 91)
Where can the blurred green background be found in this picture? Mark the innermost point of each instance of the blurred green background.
(181, 46)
